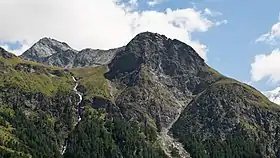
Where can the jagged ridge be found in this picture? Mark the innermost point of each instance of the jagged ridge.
(55, 53)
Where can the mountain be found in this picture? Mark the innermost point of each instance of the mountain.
(53, 112)
(45, 48)
(55, 53)
(154, 97)
(273, 95)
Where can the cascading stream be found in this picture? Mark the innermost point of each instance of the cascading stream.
(79, 111)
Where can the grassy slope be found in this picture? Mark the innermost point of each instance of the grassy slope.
(46, 82)
(92, 78)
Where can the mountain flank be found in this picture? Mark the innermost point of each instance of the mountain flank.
(154, 97)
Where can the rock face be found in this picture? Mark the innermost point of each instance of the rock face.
(158, 73)
(95, 57)
(273, 95)
(154, 97)
(44, 48)
(52, 52)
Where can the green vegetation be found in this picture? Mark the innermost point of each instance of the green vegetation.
(32, 82)
(10, 153)
(248, 126)
(99, 135)
(10, 144)
(12, 61)
(211, 70)
(202, 128)
(24, 135)
(23, 75)
(39, 132)
(235, 145)
(92, 78)
(27, 132)
(250, 94)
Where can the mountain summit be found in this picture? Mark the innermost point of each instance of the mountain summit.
(154, 97)
(46, 47)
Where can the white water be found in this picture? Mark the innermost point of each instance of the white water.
(79, 108)
(80, 99)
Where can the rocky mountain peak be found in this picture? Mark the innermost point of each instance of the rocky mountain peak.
(149, 35)
(53, 42)
(150, 40)
(161, 55)
(166, 72)
(46, 47)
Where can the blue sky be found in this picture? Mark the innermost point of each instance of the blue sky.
(232, 46)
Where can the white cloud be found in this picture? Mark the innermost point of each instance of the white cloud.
(272, 36)
(221, 22)
(208, 11)
(154, 2)
(96, 23)
(266, 65)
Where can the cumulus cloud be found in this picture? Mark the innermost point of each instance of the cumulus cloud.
(100, 24)
(273, 35)
(266, 66)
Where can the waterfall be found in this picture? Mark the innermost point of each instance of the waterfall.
(79, 111)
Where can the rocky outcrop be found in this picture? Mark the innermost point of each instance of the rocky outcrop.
(52, 52)
(157, 73)
(44, 48)
(95, 57)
